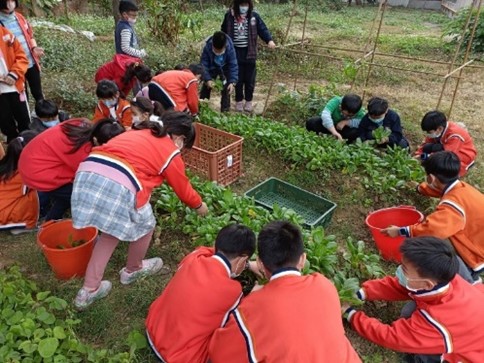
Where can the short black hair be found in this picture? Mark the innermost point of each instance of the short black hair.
(444, 165)
(106, 89)
(219, 40)
(280, 245)
(3, 4)
(196, 68)
(351, 103)
(46, 108)
(235, 240)
(377, 106)
(434, 258)
(432, 120)
(126, 5)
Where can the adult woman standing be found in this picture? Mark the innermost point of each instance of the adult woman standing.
(112, 190)
(244, 25)
(19, 26)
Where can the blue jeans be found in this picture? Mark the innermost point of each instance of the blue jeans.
(55, 203)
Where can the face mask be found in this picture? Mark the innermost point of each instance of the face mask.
(179, 143)
(132, 21)
(233, 275)
(377, 120)
(402, 279)
(50, 123)
(110, 103)
(11, 6)
(433, 135)
(243, 9)
(136, 120)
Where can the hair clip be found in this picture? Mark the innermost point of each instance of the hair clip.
(21, 139)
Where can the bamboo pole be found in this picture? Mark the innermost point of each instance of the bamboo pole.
(458, 69)
(278, 59)
(364, 57)
(466, 55)
(383, 7)
(454, 58)
(302, 46)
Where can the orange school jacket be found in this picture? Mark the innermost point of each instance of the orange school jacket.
(14, 57)
(123, 112)
(182, 86)
(448, 320)
(19, 206)
(459, 216)
(196, 301)
(292, 319)
(456, 138)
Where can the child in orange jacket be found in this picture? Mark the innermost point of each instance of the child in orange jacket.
(19, 205)
(458, 217)
(111, 105)
(14, 114)
(444, 321)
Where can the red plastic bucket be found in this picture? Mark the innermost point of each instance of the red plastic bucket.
(401, 216)
(54, 238)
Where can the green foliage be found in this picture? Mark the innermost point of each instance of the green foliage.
(322, 252)
(381, 133)
(362, 264)
(381, 172)
(38, 327)
(456, 26)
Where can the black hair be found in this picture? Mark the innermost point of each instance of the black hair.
(235, 240)
(9, 163)
(434, 258)
(174, 123)
(219, 40)
(126, 5)
(180, 67)
(46, 108)
(280, 245)
(432, 120)
(146, 105)
(237, 3)
(138, 70)
(351, 103)
(196, 68)
(377, 106)
(84, 131)
(3, 4)
(106, 89)
(444, 165)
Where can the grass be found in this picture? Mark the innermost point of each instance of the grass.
(68, 78)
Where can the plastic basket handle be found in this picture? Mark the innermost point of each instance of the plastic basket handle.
(49, 223)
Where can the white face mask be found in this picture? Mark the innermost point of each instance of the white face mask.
(434, 135)
(11, 6)
(136, 120)
(179, 143)
(132, 21)
(243, 9)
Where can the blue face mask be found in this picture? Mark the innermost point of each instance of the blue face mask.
(377, 120)
(50, 123)
(402, 279)
(243, 9)
(110, 103)
(219, 59)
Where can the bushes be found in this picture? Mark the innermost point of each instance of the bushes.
(456, 26)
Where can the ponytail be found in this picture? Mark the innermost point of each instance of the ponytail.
(138, 70)
(9, 163)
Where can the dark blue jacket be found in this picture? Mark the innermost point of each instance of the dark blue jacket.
(230, 67)
(257, 27)
(391, 121)
(123, 24)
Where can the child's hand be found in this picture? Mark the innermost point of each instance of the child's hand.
(8, 80)
(341, 125)
(344, 306)
(383, 141)
(210, 84)
(271, 44)
(391, 231)
(39, 52)
(202, 210)
(254, 267)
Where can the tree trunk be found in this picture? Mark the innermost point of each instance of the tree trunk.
(116, 14)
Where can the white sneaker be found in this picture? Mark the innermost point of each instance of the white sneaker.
(16, 231)
(85, 298)
(151, 266)
(248, 106)
(239, 106)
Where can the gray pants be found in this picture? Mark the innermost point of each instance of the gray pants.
(410, 307)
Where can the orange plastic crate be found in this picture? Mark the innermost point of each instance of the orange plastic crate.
(216, 155)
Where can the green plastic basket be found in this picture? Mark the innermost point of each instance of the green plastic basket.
(315, 210)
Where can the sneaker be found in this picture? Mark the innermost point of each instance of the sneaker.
(239, 106)
(16, 231)
(150, 267)
(85, 298)
(248, 106)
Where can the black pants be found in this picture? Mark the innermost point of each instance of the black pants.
(56, 202)
(205, 91)
(14, 115)
(244, 90)
(315, 124)
(157, 93)
(33, 79)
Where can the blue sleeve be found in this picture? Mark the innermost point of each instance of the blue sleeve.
(224, 27)
(364, 133)
(206, 61)
(232, 62)
(262, 30)
(396, 127)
